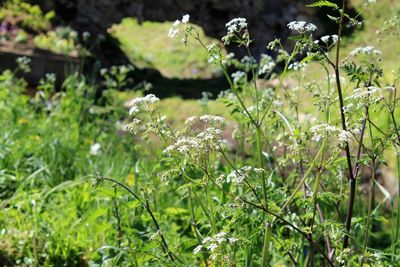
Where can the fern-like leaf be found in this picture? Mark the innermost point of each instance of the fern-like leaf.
(324, 3)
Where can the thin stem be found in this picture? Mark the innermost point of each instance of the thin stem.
(278, 87)
(147, 207)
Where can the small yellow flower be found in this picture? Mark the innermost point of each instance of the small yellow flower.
(35, 138)
(22, 121)
(130, 179)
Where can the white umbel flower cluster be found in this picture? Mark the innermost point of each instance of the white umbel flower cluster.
(194, 144)
(367, 50)
(365, 96)
(236, 25)
(142, 104)
(238, 76)
(212, 243)
(267, 64)
(302, 26)
(324, 130)
(237, 31)
(238, 176)
(334, 38)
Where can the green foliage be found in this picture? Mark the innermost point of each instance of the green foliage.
(324, 3)
(266, 185)
(63, 40)
(27, 16)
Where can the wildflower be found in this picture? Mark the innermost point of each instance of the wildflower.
(231, 55)
(325, 38)
(133, 110)
(238, 76)
(237, 31)
(367, 50)
(335, 38)
(190, 120)
(176, 23)
(220, 179)
(95, 149)
(322, 130)
(185, 19)
(212, 247)
(142, 104)
(213, 242)
(233, 240)
(236, 25)
(211, 118)
(302, 26)
(344, 136)
(297, 66)
(266, 64)
(197, 249)
(173, 32)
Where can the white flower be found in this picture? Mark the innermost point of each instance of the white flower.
(367, 50)
(302, 26)
(197, 249)
(95, 149)
(233, 240)
(185, 19)
(371, 1)
(133, 110)
(190, 120)
(147, 99)
(344, 136)
(176, 23)
(267, 64)
(325, 38)
(173, 32)
(212, 247)
(236, 25)
(335, 38)
(231, 55)
(321, 130)
(297, 66)
(211, 118)
(237, 76)
(221, 234)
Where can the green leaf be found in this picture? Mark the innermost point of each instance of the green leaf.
(324, 3)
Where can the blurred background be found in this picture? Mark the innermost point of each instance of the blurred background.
(63, 36)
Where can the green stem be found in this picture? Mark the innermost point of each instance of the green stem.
(366, 236)
(261, 165)
(278, 87)
(267, 239)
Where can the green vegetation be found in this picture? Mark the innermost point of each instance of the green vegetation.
(63, 40)
(147, 46)
(25, 15)
(299, 168)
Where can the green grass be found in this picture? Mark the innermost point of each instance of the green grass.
(147, 45)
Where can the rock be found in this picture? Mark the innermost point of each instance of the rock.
(267, 18)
